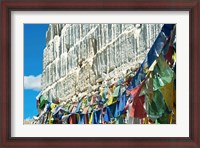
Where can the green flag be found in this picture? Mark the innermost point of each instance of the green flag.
(116, 91)
(157, 105)
(162, 73)
(164, 119)
(43, 101)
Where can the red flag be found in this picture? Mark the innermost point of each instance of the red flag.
(168, 56)
(138, 106)
(136, 91)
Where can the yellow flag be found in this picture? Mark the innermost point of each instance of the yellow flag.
(91, 117)
(110, 99)
(168, 92)
(146, 120)
(110, 96)
(50, 119)
(170, 118)
(101, 92)
(174, 101)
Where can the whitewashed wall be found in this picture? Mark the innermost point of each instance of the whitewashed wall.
(105, 51)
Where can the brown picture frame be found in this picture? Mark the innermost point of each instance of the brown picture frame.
(193, 6)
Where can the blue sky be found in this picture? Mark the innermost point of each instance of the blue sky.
(34, 44)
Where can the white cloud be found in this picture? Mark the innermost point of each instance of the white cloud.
(32, 82)
(28, 119)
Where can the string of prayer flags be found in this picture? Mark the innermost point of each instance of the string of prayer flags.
(153, 54)
(148, 95)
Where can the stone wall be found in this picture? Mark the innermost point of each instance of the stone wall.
(78, 55)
